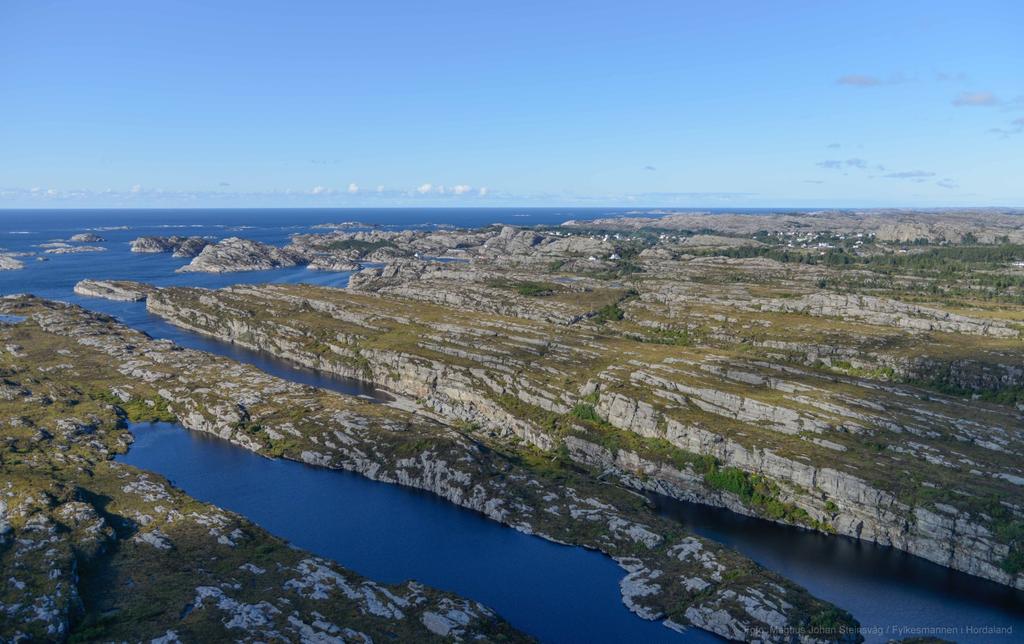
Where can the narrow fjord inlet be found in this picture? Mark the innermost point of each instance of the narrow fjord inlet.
(561, 322)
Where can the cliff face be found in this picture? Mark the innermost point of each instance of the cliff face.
(839, 454)
(671, 576)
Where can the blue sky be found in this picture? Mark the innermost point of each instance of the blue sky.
(309, 103)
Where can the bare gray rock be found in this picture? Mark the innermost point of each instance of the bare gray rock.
(120, 291)
(87, 237)
(9, 263)
(237, 254)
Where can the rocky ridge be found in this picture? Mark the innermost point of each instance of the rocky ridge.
(176, 244)
(888, 225)
(237, 254)
(121, 291)
(10, 263)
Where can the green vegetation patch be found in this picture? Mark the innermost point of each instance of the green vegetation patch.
(760, 494)
(138, 410)
(608, 313)
(527, 288)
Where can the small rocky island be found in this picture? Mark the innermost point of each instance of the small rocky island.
(9, 262)
(236, 254)
(177, 245)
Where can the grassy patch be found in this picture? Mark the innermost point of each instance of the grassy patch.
(608, 313)
(760, 494)
(527, 289)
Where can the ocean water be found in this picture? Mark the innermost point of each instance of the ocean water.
(561, 594)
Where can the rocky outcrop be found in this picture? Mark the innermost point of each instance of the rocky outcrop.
(331, 265)
(178, 245)
(9, 263)
(235, 254)
(73, 250)
(121, 291)
(472, 286)
(190, 247)
(886, 312)
(90, 238)
(976, 375)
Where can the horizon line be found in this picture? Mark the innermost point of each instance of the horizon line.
(531, 207)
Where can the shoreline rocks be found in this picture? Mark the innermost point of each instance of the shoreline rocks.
(9, 263)
(73, 250)
(86, 237)
(116, 290)
(235, 254)
(176, 244)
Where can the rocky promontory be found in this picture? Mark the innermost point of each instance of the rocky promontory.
(74, 250)
(328, 264)
(176, 244)
(236, 254)
(10, 263)
(117, 290)
(91, 238)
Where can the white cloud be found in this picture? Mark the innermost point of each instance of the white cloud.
(461, 189)
(837, 164)
(353, 188)
(136, 189)
(380, 189)
(321, 190)
(975, 99)
(425, 188)
(859, 80)
(483, 192)
(909, 174)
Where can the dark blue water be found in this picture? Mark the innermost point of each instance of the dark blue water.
(391, 534)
